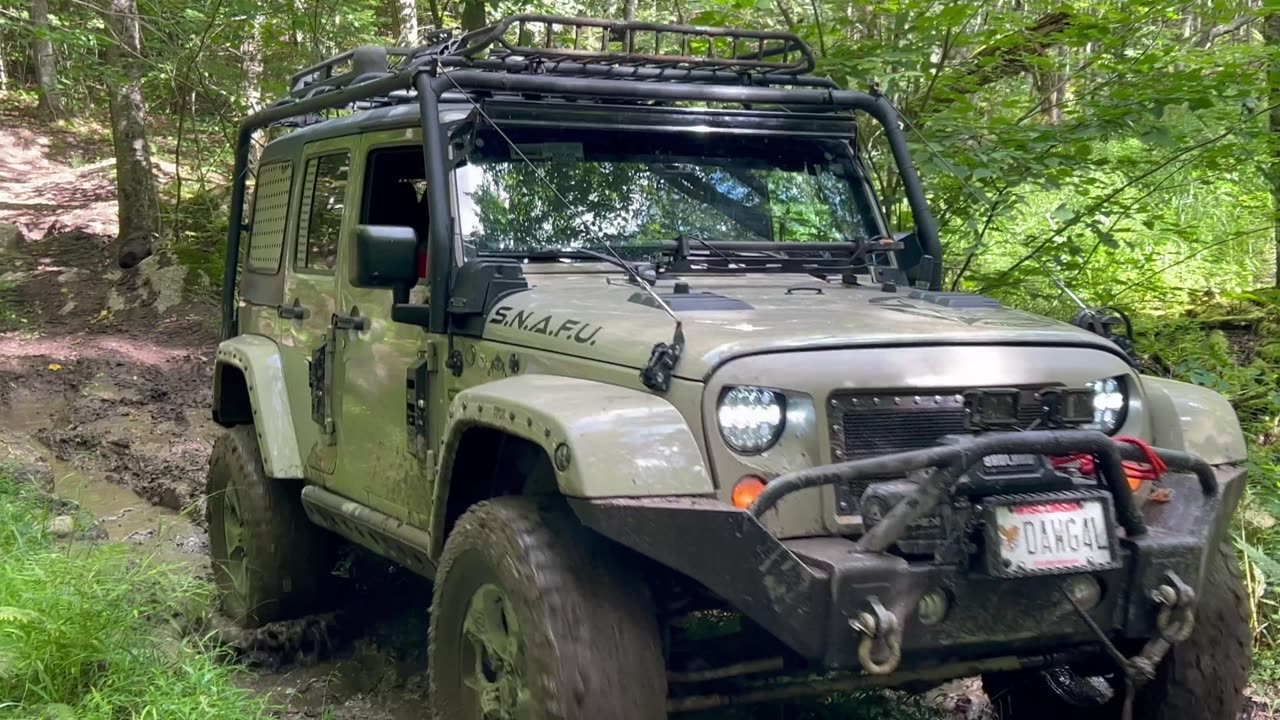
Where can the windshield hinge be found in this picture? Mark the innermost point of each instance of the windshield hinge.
(656, 375)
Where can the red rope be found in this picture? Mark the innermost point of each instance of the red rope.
(1152, 469)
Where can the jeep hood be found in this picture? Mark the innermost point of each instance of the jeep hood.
(605, 318)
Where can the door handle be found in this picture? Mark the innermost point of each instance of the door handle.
(351, 322)
(293, 312)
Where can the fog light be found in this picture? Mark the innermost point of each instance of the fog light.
(1084, 590)
(933, 607)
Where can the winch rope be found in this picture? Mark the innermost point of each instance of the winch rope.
(1136, 471)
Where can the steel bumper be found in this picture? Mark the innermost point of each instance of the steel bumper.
(814, 594)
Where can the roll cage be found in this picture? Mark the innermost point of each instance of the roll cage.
(555, 57)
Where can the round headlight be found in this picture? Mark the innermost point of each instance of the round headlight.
(1110, 402)
(750, 418)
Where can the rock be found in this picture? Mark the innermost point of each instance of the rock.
(194, 544)
(140, 537)
(62, 526)
(10, 238)
(133, 250)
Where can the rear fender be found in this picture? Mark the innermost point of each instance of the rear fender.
(251, 364)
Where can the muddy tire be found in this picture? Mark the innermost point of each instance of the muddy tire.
(1202, 678)
(534, 616)
(269, 561)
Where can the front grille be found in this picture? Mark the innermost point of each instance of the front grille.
(870, 424)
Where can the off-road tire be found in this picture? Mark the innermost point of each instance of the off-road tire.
(1202, 678)
(589, 644)
(286, 559)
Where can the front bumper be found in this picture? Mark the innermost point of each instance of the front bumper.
(810, 593)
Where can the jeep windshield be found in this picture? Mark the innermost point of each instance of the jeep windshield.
(550, 191)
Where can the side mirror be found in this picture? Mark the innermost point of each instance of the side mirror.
(386, 256)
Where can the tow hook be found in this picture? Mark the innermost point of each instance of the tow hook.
(880, 651)
(1175, 620)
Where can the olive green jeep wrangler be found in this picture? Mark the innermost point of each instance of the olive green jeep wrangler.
(600, 326)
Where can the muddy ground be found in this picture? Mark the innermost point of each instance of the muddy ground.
(105, 380)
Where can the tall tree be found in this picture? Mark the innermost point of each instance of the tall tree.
(251, 73)
(46, 60)
(473, 15)
(407, 17)
(1271, 31)
(137, 200)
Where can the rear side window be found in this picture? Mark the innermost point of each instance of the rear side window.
(324, 194)
(270, 210)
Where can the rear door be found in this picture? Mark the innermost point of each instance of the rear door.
(322, 217)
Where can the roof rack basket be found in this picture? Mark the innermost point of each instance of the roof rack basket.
(573, 46)
(556, 38)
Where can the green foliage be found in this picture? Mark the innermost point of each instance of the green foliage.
(1229, 344)
(89, 632)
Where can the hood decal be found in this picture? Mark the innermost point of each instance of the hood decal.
(548, 324)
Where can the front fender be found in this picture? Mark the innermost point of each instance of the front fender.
(604, 440)
(1194, 419)
(257, 359)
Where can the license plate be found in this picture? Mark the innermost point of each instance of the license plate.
(1062, 533)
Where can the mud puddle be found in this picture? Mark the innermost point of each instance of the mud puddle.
(118, 513)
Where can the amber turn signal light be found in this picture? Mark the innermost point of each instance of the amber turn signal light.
(746, 491)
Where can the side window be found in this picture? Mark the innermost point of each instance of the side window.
(324, 193)
(270, 209)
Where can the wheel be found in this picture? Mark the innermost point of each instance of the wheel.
(534, 618)
(1202, 678)
(269, 561)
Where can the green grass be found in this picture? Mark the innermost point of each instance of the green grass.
(99, 632)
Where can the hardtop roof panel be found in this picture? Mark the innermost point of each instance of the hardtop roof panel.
(568, 114)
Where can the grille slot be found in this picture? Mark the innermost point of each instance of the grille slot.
(870, 424)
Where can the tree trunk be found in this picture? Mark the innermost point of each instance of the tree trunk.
(1271, 32)
(251, 75)
(473, 14)
(407, 12)
(137, 199)
(629, 9)
(46, 61)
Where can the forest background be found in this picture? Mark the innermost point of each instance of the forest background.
(1124, 152)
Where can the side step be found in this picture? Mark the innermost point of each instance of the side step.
(381, 533)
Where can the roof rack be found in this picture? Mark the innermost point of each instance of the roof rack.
(556, 38)
(580, 47)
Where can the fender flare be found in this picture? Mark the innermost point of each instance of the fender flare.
(258, 359)
(604, 440)
(1194, 419)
